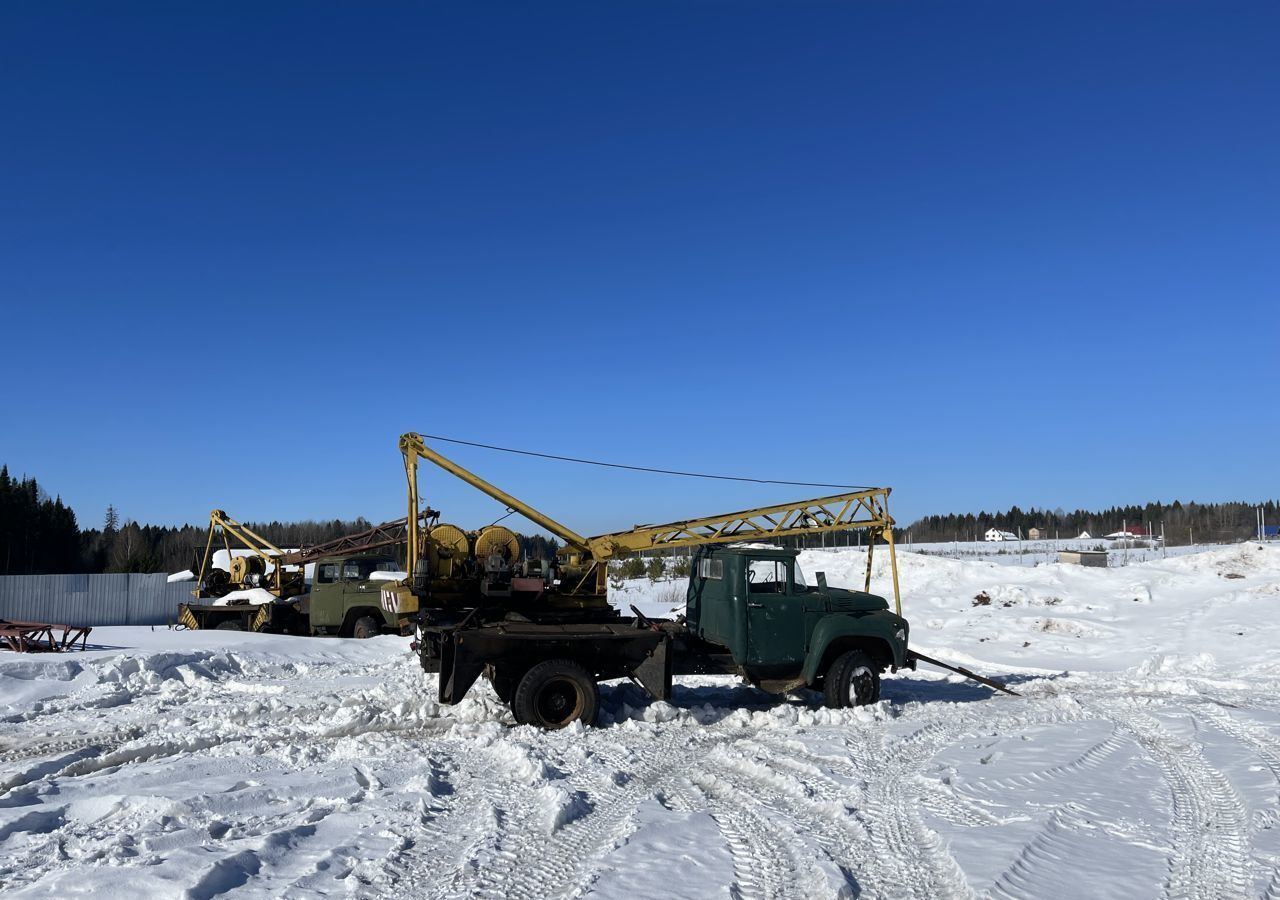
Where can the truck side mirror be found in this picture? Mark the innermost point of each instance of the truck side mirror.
(822, 581)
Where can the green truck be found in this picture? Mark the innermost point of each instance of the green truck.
(344, 600)
(750, 612)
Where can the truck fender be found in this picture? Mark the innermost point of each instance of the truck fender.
(877, 627)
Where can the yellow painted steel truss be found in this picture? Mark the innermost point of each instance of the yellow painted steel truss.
(840, 512)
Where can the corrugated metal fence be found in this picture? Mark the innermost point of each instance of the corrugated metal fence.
(92, 599)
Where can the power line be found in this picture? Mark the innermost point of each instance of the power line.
(608, 465)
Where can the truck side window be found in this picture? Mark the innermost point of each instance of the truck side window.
(351, 572)
(711, 568)
(328, 573)
(767, 576)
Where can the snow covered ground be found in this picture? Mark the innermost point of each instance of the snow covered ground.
(1039, 552)
(1142, 760)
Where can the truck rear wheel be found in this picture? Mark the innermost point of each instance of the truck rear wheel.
(229, 626)
(852, 680)
(366, 627)
(554, 693)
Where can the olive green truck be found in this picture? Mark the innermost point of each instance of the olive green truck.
(344, 600)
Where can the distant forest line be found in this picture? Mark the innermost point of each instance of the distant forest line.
(1182, 523)
(41, 535)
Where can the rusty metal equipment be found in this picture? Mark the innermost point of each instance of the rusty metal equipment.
(278, 570)
(38, 637)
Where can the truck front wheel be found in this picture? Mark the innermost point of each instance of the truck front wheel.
(852, 680)
(554, 693)
(366, 627)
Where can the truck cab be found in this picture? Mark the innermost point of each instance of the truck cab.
(346, 598)
(756, 607)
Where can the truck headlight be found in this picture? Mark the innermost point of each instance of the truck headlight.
(901, 635)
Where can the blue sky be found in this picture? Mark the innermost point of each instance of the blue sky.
(986, 253)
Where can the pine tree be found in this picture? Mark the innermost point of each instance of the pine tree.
(655, 569)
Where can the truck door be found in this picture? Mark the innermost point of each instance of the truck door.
(326, 595)
(356, 589)
(775, 617)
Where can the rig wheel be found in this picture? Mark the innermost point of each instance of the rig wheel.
(555, 693)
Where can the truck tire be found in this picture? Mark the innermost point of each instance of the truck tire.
(852, 680)
(229, 626)
(554, 693)
(366, 627)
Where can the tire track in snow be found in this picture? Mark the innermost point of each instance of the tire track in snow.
(1047, 861)
(519, 858)
(936, 796)
(1091, 758)
(765, 863)
(1211, 841)
(954, 808)
(916, 860)
(1257, 739)
(902, 856)
(785, 809)
(18, 749)
(1273, 887)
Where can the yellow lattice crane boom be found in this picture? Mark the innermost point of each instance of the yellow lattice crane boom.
(863, 509)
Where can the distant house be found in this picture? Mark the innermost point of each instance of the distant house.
(1133, 531)
(1085, 536)
(1035, 534)
(995, 534)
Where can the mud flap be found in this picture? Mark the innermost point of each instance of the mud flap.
(459, 667)
(654, 672)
